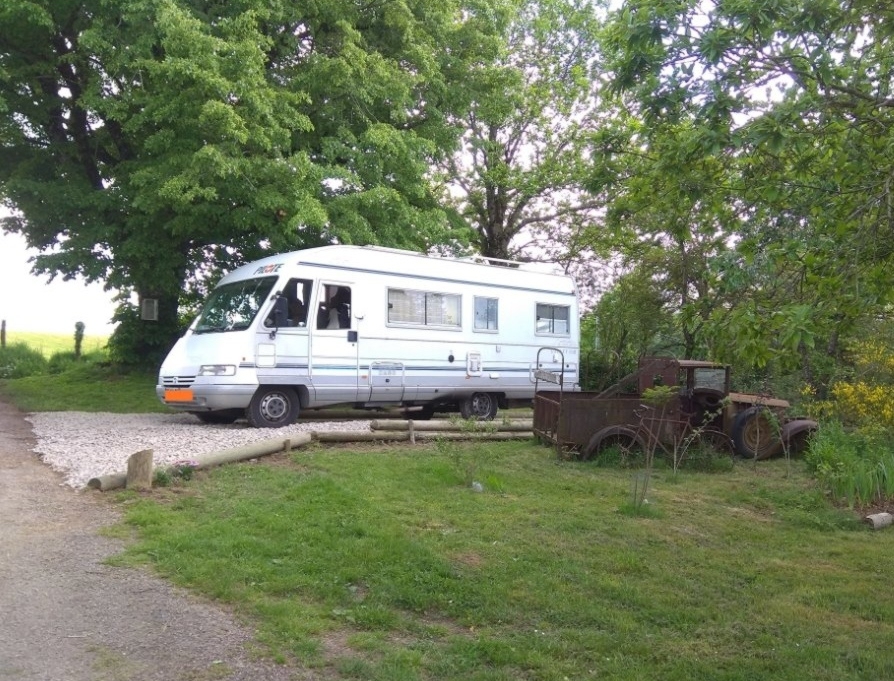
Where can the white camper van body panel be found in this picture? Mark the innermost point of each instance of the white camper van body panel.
(413, 336)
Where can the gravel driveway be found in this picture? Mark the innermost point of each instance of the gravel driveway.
(83, 445)
(65, 616)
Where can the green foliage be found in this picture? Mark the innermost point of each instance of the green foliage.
(620, 457)
(224, 132)
(18, 360)
(140, 344)
(61, 362)
(659, 396)
(857, 468)
(161, 477)
(852, 454)
(417, 578)
(754, 155)
(703, 458)
(517, 170)
(630, 318)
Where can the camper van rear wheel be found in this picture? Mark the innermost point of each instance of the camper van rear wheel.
(479, 406)
(272, 407)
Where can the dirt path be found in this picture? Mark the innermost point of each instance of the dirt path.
(65, 616)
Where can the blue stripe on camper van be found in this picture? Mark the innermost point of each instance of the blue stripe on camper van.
(366, 367)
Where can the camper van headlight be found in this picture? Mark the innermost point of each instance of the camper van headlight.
(217, 370)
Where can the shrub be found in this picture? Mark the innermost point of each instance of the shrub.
(60, 362)
(19, 361)
(852, 454)
(855, 466)
(703, 457)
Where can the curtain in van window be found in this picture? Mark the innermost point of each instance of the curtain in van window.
(406, 307)
(423, 308)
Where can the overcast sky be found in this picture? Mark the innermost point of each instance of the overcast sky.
(29, 303)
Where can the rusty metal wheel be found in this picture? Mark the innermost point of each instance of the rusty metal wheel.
(756, 434)
(625, 439)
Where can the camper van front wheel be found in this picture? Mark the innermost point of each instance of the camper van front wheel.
(479, 406)
(273, 407)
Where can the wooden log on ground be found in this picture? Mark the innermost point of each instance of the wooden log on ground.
(216, 458)
(106, 482)
(879, 520)
(445, 426)
(359, 436)
(253, 450)
(459, 435)
(139, 470)
(405, 436)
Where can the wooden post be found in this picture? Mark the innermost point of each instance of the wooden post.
(139, 470)
(3, 334)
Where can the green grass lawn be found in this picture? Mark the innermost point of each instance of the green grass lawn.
(383, 563)
(88, 387)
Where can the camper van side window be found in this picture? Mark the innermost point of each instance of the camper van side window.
(421, 308)
(485, 314)
(553, 319)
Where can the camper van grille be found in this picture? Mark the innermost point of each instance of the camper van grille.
(177, 381)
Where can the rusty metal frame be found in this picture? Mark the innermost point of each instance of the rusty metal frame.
(551, 434)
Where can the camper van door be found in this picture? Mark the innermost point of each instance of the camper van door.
(282, 349)
(334, 353)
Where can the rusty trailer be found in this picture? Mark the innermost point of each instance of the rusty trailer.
(700, 408)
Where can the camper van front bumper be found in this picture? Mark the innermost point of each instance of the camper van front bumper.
(205, 397)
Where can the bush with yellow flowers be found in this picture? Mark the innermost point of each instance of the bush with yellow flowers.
(852, 454)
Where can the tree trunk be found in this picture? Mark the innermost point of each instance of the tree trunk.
(145, 343)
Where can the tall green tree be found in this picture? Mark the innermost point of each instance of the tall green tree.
(794, 99)
(516, 177)
(152, 143)
(670, 213)
(631, 320)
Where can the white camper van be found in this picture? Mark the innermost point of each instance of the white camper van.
(371, 327)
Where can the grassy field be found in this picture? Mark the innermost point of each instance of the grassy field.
(383, 563)
(51, 343)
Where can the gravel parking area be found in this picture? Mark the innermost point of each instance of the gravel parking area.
(83, 445)
(67, 615)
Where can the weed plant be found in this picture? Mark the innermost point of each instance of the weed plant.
(19, 360)
(855, 466)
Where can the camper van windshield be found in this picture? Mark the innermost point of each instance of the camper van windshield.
(232, 307)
